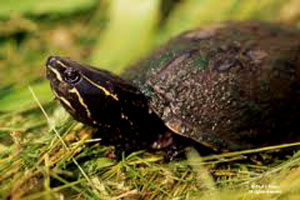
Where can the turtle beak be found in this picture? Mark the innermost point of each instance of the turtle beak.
(51, 61)
(55, 68)
(50, 67)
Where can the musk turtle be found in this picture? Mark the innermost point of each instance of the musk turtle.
(228, 87)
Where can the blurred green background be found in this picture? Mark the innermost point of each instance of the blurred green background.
(110, 34)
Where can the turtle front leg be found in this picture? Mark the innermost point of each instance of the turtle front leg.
(174, 146)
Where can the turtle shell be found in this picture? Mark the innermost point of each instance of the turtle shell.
(232, 86)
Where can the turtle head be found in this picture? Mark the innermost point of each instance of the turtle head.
(94, 96)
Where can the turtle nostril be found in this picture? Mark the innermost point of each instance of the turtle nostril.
(51, 61)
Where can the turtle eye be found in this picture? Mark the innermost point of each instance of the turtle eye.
(71, 76)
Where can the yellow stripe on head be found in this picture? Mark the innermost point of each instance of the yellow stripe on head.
(57, 74)
(61, 64)
(106, 92)
(73, 90)
(65, 101)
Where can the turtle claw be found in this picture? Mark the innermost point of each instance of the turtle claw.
(174, 153)
(172, 145)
